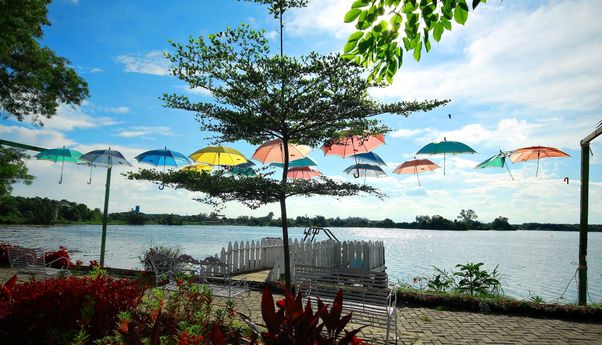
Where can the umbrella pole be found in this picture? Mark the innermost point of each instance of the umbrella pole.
(90, 180)
(162, 186)
(512, 177)
(537, 171)
(443, 163)
(62, 165)
(104, 218)
(418, 178)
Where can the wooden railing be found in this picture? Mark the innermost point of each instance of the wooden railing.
(248, 256)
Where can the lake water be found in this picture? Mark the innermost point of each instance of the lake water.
(531, 262)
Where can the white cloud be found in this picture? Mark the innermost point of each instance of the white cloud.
(118, 110)
(42, 137)
(536, 59)
(96, 70)
(196, 90)
(405, 133)
(153, 62)
(69, 118)
(145, 131)
(319, 17)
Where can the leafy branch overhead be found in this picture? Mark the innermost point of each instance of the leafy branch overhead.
(258, 96)
(254, 191)
(387, 28)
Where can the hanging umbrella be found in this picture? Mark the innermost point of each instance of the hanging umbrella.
(536, 152)
(346, 147)
(444, 147)
(415, 166)
(365, 170)
(218, 155)
(60, 155)
(198, 167)
(163, 157)
(247, 164)
(369, 158)
(108, 158)
(301, 162)
(273, 152)
(306, 173)
(497, 161)
(242, 171)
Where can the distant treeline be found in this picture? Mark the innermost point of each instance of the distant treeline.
(44, 211)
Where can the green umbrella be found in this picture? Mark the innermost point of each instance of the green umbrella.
(444, 147)
(497, 161)
(60, 155)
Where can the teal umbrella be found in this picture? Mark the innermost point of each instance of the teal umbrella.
(444, 147)
(60, 155)
(497, 161)
(301, 162)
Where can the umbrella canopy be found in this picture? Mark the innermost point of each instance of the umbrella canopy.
(306, 173)
(198, 167)
(163, 157)
(218, 155)
(444, 147)
(242, 171)
(301, 162)
(415, 166)
(365, 170)
(497, 161)
(536, 152)
(369, 158)
(60, 155)
(346, 147)
(273, 152)
(108, 158)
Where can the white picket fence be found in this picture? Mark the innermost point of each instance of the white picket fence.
(249, 256)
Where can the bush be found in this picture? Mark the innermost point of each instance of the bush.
(59, 258)
(54, 311)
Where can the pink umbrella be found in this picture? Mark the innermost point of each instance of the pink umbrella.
(345, 147)
(273, 152)
(306, 173)
(415, 166)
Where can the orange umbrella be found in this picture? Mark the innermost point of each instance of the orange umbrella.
(349, 146)
(306, 173)
(273, 152)
(415, 166)
(536, 152)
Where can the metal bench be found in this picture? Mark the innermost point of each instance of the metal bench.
(367, 294)
(33, 261)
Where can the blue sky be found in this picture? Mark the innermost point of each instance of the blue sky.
(520, 73)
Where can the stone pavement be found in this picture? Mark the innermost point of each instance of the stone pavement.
(430, 326)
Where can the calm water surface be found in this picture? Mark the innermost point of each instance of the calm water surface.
(531, 262)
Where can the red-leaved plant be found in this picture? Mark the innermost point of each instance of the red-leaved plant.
(53, 311)
(293, 324)
(59, 258)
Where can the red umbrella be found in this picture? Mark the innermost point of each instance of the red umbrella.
(415, 166)
(273, 152)
(536, 152)
(345, 147)
(306, 173)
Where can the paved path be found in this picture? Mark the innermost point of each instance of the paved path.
(430, 326)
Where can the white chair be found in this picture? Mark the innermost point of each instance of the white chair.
(33, 261)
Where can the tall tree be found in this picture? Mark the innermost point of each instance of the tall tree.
(12, 169)
(33, 79)
(258, 96)
(387, 28)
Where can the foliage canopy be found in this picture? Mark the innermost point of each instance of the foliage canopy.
(33, 79)
(387, 28)
(12, 169)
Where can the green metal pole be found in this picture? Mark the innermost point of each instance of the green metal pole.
(583, 224)
(104, 217)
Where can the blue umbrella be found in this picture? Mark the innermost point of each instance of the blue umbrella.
(163, 157)
(444, 147)
(369, 157)
(365, 170)
(298, 163)
(107, 158)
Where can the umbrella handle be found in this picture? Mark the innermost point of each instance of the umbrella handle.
(162, 186)
(356, 174)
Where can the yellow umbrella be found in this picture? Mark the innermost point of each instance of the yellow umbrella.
(218, 155)
(199, 167)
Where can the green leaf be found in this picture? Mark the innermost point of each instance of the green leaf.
(396, 21)
(446, 23)
(460, 14)
(438, 31)
(418, 51)
(349, 46)
(352, 15)
(360, 3)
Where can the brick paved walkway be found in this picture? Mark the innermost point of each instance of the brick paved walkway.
(430, 326)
